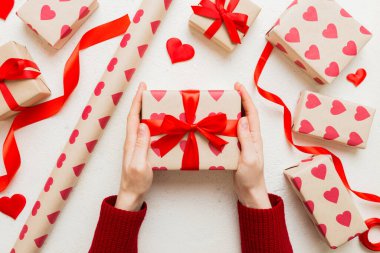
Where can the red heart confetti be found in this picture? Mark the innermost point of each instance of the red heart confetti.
(179, 52)
(12, 206)
(358, 77)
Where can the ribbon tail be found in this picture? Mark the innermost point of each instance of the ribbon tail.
(190, 160)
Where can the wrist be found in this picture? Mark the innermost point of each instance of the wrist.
(129, 201)
(256, 198)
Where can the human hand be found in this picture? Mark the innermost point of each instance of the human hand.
(249, 179)
(137, 175)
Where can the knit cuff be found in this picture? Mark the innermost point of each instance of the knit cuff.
(117, 230)
(264, 230)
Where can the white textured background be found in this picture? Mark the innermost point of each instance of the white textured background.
(193, 211)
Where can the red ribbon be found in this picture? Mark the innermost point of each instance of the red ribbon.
(30, 115)
(315, 150)
(233, 22)
(6, 7)
(15, 69)
(174, 130)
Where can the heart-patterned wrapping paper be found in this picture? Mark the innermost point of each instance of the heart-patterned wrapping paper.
(319, 36)
(333, 119)
(221, 37)
(157, 104)
(326, 200)
(26, 92)
(90, 126)
(56, 21)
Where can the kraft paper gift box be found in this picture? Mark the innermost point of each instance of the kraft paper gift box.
(319, 36)
(222, 37)
(26, 92)
(157, 105)
(326, 200)
(56, 21)
(333, 119)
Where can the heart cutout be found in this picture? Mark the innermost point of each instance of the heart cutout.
(358, 77)
(179, 52)
(12, 206)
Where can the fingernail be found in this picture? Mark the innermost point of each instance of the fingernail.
(244, 123)
(142, 130)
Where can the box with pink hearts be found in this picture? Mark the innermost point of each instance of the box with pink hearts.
(56, 21)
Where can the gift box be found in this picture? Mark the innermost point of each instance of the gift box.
(333, 119)
(326, 200)
(319, 36)
(192, 130)
(224, 22)
(56, 21)
(22, 92)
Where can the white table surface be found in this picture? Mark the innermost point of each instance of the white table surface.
(195, 211)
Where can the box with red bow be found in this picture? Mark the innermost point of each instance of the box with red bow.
(20, 82)
(56, 21)
(225, 22)
(326, 200)
(192, 130)
(333, 119)
(319, 36)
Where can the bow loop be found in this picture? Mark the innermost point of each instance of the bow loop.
(16, 69)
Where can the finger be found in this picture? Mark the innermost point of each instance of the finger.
(140, 152)
(245, 137)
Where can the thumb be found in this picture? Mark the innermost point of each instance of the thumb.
(245, 136)
(141, 147)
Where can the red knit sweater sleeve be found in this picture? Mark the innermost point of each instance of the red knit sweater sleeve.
(117, 230)
(264, 230)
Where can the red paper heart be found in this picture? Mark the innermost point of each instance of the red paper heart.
(5, 9)
(12, 206)
(179, 52)
(358, 77)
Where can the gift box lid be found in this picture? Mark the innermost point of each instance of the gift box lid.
(326, 200)
(320, 36)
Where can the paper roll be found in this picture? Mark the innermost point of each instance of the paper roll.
(88, 130)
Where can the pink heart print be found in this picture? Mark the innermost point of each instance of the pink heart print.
(281, 47)
(214, 150)
(330, 32)
(319, 171)
(40, 241)
(306, 127)
(36, 206)
(364, 30)
(48, 184)
(47, 13)
(345, 14)
(292, 4)
(86, 112)
(355, 139)
(138, 15)
(24, 230)
(323, 229)
(332, 70)
(91, 145)
(319, 81)
(159, 168)
(297, 181)
(311, 14)
(182, 145)
(83, 12)
(309, 205)
(344, 218)
(156, 150)
(361, 113)
(350, 49)
(300, 64)
(158, 94)
(167, 4)
(154, 25)
(112, 64)
(98, 89)
(129, 73)
(74, 136)
(78, 169)
(331, 133)
(293, 35)
(312, 101)
(332, 195)
(141, 49)
(53, 217)
(157, 116)
(65, 31)
(116, 97)
(61, 160)
(312, 53)
(216, 168)
(124, 41)
(104, 121)
(216, 94)
(337, 108)
(65, 193)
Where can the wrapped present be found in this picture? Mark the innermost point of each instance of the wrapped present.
(93, 121)
(197, 126)
(56, 21)
(333, 119)
(319, 36)
(225, 22)
(21, 84)
(326, 200)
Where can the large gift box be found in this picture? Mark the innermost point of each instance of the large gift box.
(326, 200)
(56, 21)
(333, 119)
(224, 22)
(22, 92)
(192, 129)
(319, 36)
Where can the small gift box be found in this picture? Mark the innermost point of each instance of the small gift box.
(319, 36)
(56, 21)
(333, 119)
(20, 82)
(225, 22)
(192, 130)
(326, 200)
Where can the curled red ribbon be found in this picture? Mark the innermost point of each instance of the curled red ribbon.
(315, 150)
(174, 130)
(373, 222)
(30, 115)
(233, 22)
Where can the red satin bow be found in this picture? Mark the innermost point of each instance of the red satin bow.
(233, 22)
(315, 150)
(15, 69)
(175, 130)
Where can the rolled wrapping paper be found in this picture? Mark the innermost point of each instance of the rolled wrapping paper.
(88, 130)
